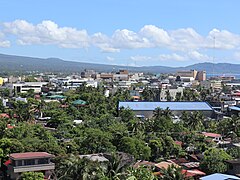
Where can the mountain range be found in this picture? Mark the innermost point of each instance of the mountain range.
(12, 63)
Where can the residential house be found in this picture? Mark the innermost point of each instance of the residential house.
(30, 161)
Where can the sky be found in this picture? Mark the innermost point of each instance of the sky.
(123, 32)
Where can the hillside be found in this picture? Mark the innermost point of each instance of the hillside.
(21, 63)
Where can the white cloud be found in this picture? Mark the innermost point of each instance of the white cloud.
(111, 59)
(140, 58)
(185, 39)
(126, 39)
(155, 35)
(47, 32)
(195, 55)
(223, 39)
(171, 57)
(4, 43)
(184, 56)
(103, 42)
(179, 41)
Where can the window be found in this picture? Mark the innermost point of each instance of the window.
(19, 163)
(43, 161)
(29, 162)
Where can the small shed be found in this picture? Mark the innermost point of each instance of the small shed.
(79, 103)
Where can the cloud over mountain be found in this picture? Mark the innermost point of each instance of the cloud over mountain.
(184, 43)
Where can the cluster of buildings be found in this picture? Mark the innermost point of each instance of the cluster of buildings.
(223, 100)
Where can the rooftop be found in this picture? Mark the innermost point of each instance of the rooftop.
(235, 108)
(234, 161)
(219, 176)
(177, 106)
(213, 135)
(30, 155)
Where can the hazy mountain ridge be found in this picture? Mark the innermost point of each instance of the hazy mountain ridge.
(21, 63)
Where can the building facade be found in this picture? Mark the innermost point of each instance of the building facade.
(30, 162)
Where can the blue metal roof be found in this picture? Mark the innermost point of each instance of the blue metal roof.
(219, 176)
(174, 106)
(235, 108)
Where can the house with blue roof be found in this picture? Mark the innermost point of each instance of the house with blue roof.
(219, 176)
(146, 109)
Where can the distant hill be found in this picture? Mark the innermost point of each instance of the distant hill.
(22, 64)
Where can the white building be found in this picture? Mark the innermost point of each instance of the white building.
(23, 87)
(172, 93)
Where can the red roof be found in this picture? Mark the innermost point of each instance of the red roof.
(30, 155)
(213, 135)
(7, 162)
(4, 115)
(179, 160)
(178, 143)
(196, 172)
(186, 173)
(9, 126)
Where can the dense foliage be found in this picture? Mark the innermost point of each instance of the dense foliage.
(105, 129)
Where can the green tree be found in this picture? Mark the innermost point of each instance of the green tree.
(168, 96)
(214, 161)
(30, 79)
(142, 173)
(178, 96)
(95, 141)
(172, 173)
(234, 152)
(156, 146)
(136, 147)
(32, 176)
(193, 121)
(126, 114)
(74, 167)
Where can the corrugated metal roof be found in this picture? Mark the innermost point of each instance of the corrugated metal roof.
(29, 155)
(174, 106)
(219, 176)
(234, 108)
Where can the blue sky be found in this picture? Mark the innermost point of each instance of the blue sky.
(127, 32)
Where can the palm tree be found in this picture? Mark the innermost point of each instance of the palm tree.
(77, 168)
(168, 96)
(172, 173)
(234, 124)
(158, 112)
(118, 163)
(195, 121)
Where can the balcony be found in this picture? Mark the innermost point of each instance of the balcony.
(37, 167)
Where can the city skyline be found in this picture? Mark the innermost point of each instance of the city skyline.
(172, 33)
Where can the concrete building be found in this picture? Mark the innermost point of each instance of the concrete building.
(201, 76)
(30, 161)
(146, 109)
(192, 74)
(88, 73)
(188, 73)
(211, 84)
(23, 87)
(172, 91)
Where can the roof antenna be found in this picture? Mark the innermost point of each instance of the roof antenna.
(214, 48)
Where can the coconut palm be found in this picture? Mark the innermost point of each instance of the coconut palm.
(172, 173)
(77, 168)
